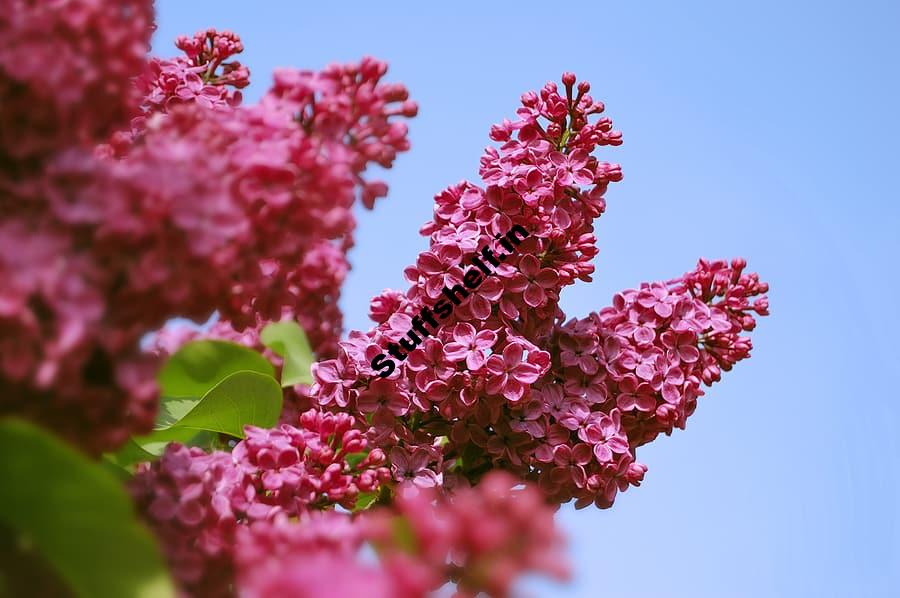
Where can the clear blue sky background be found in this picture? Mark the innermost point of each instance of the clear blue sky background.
(766, 130)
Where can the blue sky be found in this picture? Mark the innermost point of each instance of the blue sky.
(765, 130)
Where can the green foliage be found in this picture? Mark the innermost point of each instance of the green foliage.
(287, 340)
(404, 536)
(75, 513)
(129, 454)
(242, 398)
(208, 388)
(364, 501)
(354, 459)
(200, 365)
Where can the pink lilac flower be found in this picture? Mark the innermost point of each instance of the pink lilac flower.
(202, 76)
(509, 374)
(532, 280)
(572, 169)
(413, 467)
(604, 434)
(570, 464)
(682, 345)
(482, 539)
(470, 346)
(382, 395)
(431, 364)
(517, 388)
(481, 301)
(635, 395)
(529, 419)
(189, 498)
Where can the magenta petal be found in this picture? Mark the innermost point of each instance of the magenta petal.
(689, 353)
(559, 159)
(419, 460)
(648, 403)
(644, 371)
(485, 339)
(534, 428)
(547, 278)
(513, 391)
(480, 307)
(512, 354)
(603, 453)
(626, 401)
(527, 373)
(496, 366)
(495, 383)
(617, 444)
(455, 351)
(663, 310)
(474, 360)
(517, 283)
(534, 295)
(464, 334)
(581, 454)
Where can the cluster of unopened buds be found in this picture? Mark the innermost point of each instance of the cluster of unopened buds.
(201, 76)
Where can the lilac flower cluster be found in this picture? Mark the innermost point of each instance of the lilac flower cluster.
(318, 555)
(66, 69)
(507, 385)
(622, 376)
(201, 76)
(481, 539)
(195, 500)
(99, 244)
(260, 521)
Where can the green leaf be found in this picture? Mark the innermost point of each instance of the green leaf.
(200, 365)
(404, 535)
(128, 455)
(78, 516)
(242, 398)
(289, 342)
(364, 501)
(154, 444)
(354, 459)
(196, 398)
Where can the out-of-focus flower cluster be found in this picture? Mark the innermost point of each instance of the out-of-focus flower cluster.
(264, 513)
(503, 383)
(66, 69)
(481, 538)
(195, 500)
(200, 205)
